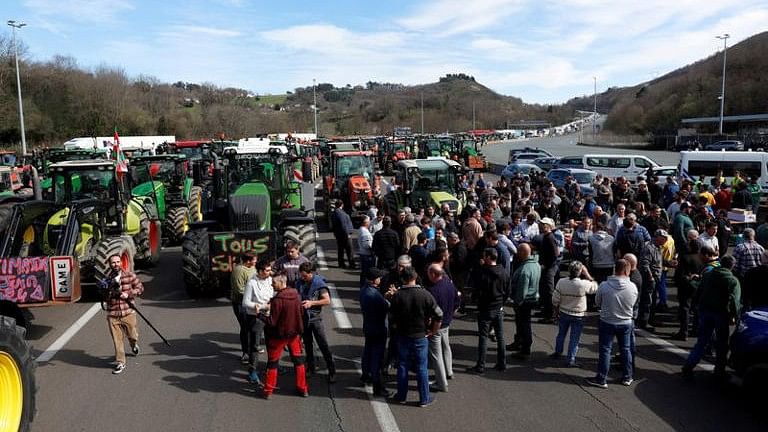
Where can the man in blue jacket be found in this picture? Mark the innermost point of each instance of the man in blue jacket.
(342, 228)
(374, 308)
(314, 295)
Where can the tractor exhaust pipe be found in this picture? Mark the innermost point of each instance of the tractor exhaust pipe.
(37, 191)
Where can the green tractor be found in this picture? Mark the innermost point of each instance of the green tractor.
(91, 216)
(258, 205)
(44, 158)
(423, 183)
(17, 375)
(163, 178)
(12, 192)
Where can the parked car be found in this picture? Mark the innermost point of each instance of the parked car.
(522, 168)
(629, 166)
(665, 171)
(539, 151)
(749, 349)
(583, 177)
(570, 162)
(525, 157)
(730, 145)
(546, 163)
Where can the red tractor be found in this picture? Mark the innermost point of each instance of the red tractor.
(351, 178)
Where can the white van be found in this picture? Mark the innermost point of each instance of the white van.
(694, 164)
(610, 165)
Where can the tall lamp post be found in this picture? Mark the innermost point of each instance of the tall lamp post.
(594, 111)
(422, 113)
(314, 106)
(724, 37)
(18, 26)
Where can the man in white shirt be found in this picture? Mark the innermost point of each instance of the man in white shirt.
(617, 220)
(709, 237)
(529, 227)
(365, 248)
(256, 296)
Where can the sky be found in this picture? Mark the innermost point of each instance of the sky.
(543, 51)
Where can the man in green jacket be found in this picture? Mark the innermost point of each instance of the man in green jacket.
(680, 226)
(719, 299)
(525, 290)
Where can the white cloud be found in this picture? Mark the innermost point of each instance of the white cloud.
(449, 17)
(82, 11)
(206, 31)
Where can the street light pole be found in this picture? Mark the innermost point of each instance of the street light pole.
(314, 105)
(473, 115)
(724, 37)
(422, 113)
(594, 111)
(18, 26)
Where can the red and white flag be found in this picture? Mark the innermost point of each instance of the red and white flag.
(119, 156)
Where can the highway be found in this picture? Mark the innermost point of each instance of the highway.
(198, 384)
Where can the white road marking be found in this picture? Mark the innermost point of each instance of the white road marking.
(381, 409)
(322, 264)
(59, 343)
(337, 306)
(672, 348)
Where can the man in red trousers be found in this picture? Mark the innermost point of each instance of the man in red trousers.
(284, 326)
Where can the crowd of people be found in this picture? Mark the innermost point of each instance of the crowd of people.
(624, 245)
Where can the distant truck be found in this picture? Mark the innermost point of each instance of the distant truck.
(127, 143)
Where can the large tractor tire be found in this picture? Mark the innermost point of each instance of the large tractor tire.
(17, 378)
(196, 262)
(176, 224)
(306, 237)
(121, 246)
(195, 204)
(5, 214)
(148, 242)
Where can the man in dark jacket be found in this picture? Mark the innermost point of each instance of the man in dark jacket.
(447, 298)
(386, 245)
(415, 315)
(548, 259)
(491, 291)
(742, 199)
(284, 325)
(374, 308)
(719, 298)
(314, 295)
(342, 228)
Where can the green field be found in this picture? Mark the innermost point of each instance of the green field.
(273, 99)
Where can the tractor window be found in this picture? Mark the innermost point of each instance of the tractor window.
(5, 182)
(86, 184)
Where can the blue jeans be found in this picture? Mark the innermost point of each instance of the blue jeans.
(622, 332)
(575, 324)
(409, 348)
(486, 320)
(663, 288)
(709, 323)
(366, 262)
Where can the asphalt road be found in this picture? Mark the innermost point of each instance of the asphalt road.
(198, 384)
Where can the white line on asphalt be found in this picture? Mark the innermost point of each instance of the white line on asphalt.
(672, 348)
(337, 306)
(59, 343)
(381, 409)
(322, 264)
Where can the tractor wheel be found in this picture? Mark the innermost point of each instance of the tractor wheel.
(5, 214)
(176, 224)
(120, 246)
(17, 378)
(148, 242)
(305, 237)
(195, 204)
(195, 261)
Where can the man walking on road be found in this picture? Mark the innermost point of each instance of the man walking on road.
(258, 293)
(719, 303)
(447, 298)
(284, 325)
(491, 290)
(415, 315)
(314, 295)
(616, 298)
(386, 245)
(120, 316)
(342, 228)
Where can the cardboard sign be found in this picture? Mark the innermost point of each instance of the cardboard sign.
(226, 247)
(25, 279)
(61, 277)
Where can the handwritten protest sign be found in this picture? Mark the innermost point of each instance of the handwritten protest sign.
(225, 248)
(25, 280)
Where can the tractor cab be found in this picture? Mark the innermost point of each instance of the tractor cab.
(8, 158)
(429, 182)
